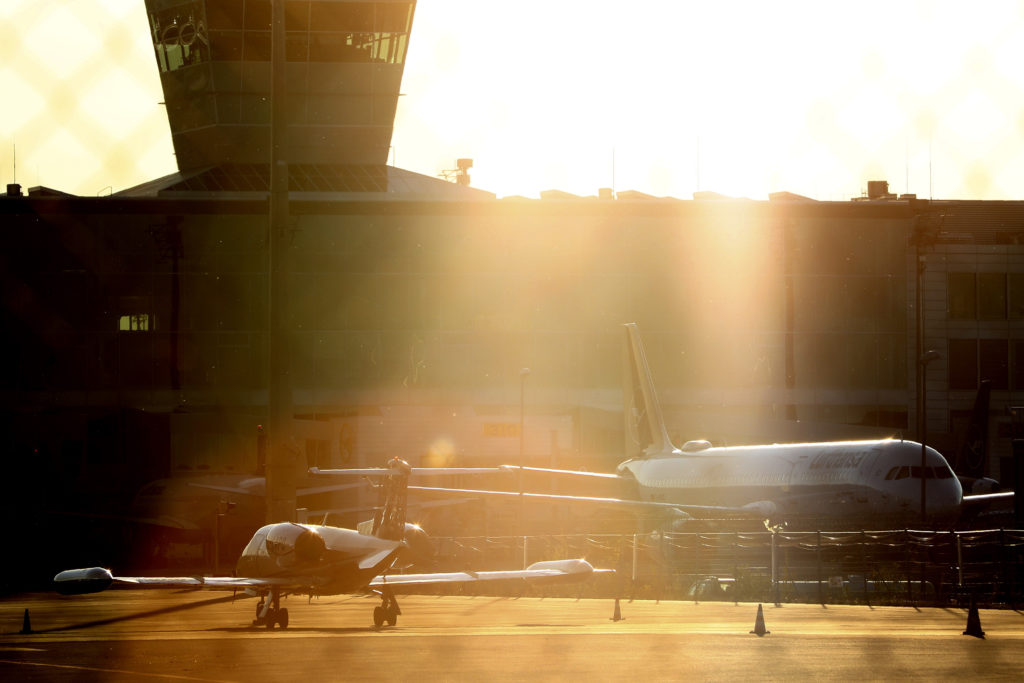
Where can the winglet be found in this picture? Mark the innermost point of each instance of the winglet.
(645, 427)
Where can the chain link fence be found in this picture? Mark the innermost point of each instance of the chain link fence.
(899, 567)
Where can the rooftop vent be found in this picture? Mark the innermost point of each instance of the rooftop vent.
(879, 189)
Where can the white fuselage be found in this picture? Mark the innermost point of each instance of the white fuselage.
(833, 485)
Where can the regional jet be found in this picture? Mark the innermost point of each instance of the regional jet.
(288, 558)
(828, 485)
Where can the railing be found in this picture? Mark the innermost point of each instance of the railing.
(875, 567)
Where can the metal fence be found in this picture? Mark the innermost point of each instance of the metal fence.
(880, 567)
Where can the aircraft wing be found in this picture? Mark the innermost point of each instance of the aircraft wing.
(307, 491)
(553, 571)
(416, 471)
(983, 498)
(96, 579)
(574, 473)
(756, 510)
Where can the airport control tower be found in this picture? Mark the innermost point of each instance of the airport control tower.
(344, 69)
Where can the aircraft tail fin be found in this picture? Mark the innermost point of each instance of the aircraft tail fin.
(389, 520)
(973, 453)
(645, 427)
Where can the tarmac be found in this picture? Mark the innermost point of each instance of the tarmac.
(151, 635)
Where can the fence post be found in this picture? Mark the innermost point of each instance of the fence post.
(959, 565)
(775, 578)
(864, 564)
(821, 597)
(634, 559)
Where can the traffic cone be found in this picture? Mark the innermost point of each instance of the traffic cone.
(26, 624)
(617, 614)
(759, 629)
(974, 622)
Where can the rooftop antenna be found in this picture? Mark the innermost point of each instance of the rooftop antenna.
(906, 166)
(698, 163)
(613, 171)
(930, 166)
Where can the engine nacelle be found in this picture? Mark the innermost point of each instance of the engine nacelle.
(82, 581)
(419, 544)
(293, 544)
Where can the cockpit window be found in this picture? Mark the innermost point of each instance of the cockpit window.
(933, 473)
(929, 472)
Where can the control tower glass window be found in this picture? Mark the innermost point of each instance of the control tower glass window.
(316, 31)
(180, 35)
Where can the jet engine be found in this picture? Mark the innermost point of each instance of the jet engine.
(293, 544)
(421, 549)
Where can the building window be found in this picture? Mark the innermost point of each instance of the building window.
(1017, 366)
(137, 322)
(1015, 296)
(973, 360)
(984, 296)
(180, 36)
(992, 296)
(961, 296)
(994, 362)
(963, 363)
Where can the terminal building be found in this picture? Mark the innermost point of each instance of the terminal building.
(136, 325)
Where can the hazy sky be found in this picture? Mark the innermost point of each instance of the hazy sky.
(734, 96)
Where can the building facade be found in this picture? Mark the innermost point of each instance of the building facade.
(137, 325)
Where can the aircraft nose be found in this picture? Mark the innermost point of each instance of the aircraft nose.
(944, 499)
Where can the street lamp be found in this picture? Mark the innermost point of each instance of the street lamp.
(922, 362)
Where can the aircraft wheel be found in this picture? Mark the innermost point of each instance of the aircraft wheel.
(391, 616)
(282, 617)
(271, 618)
(379, 615)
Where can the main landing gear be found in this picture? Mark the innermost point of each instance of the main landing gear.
(388, 610)
(270, 612)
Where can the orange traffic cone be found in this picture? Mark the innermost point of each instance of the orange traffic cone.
(26, 624)
(974, 622)
(759, 629)
(617, 614)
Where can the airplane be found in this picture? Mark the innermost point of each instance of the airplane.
(290, 558)
(831, 485)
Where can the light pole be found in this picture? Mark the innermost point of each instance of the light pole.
(926, 358)
(523, 374)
